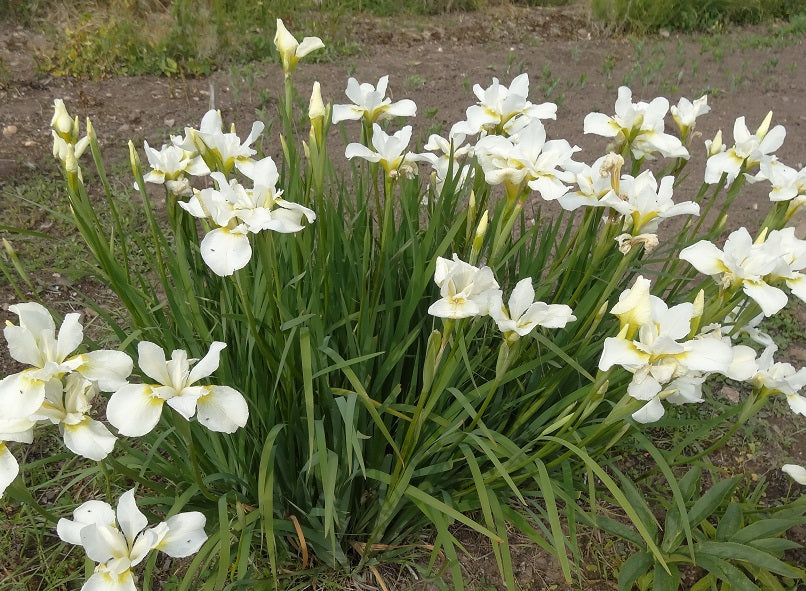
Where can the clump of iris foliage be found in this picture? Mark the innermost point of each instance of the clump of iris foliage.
(360, 362)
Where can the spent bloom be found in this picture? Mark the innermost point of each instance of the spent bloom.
(466, 290)
(522, 314)
(370, 103)
(291, 50)
(120, 540)
(135, 409)
(750, 149)
(500, 107)
(638, 124)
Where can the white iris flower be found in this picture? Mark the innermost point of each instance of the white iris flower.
(657, 354)
(35, 343)
(466, 290)
(640, 124)
(391, 151)
(370, 103)
(291, 50)
(749, 150)
(238, 211)
(754, 266)
(120, 540)
(135, 409)
(523, 314)
(504, 109)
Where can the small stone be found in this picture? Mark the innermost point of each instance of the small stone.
(29, 143)
(125, 128)
(731, 394)
(169, 122)
(9, 130)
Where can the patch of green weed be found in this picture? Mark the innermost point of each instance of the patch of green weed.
(644, 16)
(413, 82)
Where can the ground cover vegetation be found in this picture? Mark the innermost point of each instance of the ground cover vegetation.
(370, 418)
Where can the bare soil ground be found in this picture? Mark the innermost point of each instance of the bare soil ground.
(435, 61)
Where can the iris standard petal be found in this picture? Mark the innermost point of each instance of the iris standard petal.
(151, 359)
(22, 346)
(35, 317)
(523, 295)
(71, 334)
(130, 518)
(207, 364)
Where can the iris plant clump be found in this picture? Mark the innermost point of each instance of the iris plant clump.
(399, 349)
